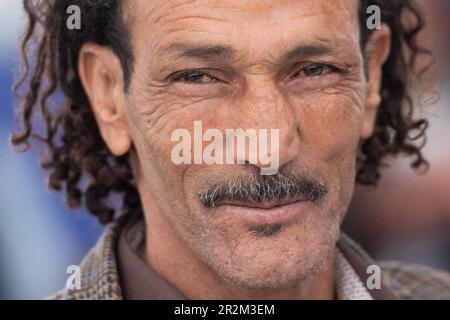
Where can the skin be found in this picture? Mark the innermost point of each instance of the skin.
(319, 98)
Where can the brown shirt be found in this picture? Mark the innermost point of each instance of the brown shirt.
(100, 278)
(139, 280)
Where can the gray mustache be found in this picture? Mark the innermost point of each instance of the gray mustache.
(260, 188)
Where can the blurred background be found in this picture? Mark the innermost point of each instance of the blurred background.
(39, 237)
(407, 217)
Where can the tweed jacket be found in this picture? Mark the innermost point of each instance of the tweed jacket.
(100, 276)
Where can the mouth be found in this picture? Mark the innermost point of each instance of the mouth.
(262, 204)
(267, 213)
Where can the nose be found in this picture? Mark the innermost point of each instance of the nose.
(267, 110)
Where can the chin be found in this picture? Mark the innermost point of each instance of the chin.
(282, 259)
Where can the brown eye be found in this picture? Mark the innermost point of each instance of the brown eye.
(313, 70)
(194, 77)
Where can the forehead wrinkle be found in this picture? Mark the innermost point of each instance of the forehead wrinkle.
(158, 12)
(174, 12)
(350, 20)
(170, 27)
(170, 8)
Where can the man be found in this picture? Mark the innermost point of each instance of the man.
(201, 220)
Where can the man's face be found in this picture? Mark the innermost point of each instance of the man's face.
(292, 65)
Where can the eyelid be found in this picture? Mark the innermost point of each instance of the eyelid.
(319, 64)
(298, 67)
(179, 74)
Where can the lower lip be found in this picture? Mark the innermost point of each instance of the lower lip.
(278, 215)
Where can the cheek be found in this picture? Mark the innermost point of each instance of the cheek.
(155, 117)
(330, 130)
(330, 125)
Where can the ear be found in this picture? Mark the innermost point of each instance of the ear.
(377, 51)
(102, 78)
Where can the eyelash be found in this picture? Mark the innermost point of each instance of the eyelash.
(184, 76)
(193, 73)
(325, 69)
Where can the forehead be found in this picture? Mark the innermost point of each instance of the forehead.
(245, 25)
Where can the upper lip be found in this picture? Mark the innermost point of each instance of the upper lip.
(264, 204)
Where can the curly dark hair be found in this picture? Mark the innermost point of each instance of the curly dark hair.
(79, 163)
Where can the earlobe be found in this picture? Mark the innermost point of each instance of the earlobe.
(372, 104)
(101, 75)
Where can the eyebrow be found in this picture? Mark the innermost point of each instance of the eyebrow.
(183, 50)
(200, 52)
(307, 51)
